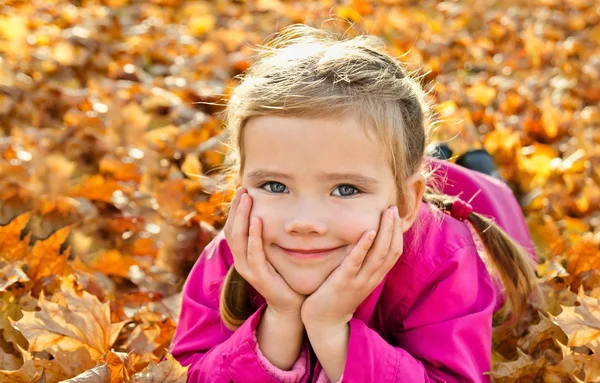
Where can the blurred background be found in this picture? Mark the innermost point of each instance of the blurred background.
(110, 153)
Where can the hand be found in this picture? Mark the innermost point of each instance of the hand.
(251, 263)
(363, 269)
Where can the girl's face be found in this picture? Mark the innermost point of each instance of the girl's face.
(316, 184)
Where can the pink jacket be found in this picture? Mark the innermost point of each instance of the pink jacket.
(430, 320)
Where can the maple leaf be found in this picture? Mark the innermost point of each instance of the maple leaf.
(582, 323)
(113, 367)
(46, 257)
(167, 371)
(525, 369)
(566, 368)
(541, 336)
(32, 370)
(81, 322)
(13, 244)
(10, 310)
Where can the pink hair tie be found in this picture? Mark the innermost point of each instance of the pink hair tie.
(461, 210)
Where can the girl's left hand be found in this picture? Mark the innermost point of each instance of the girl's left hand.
(363, 269)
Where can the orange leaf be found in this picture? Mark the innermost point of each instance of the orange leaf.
(112, 262)
(13, 244)
(47, 257)
(167, 371)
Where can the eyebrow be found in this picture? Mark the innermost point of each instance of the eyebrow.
(260, 174)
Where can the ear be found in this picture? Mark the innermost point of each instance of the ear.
(415, 188)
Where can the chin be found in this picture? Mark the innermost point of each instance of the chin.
(305, 286)
(305, 289)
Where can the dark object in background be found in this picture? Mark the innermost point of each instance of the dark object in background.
(440, 151)
(478, 159)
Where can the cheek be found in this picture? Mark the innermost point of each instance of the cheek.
(267, 212)
(356, 223)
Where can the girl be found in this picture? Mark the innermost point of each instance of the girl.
(345, 267)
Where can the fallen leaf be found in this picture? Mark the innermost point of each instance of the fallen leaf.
(582, 323)
(82, 322)
(167, 371)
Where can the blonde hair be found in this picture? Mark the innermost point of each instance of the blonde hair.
(308, 72)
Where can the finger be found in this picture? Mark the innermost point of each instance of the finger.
(232, 210)
(394, 253)
(396, 246)
(380, 249)
(239, 232)
(256, 253)
(354, 260)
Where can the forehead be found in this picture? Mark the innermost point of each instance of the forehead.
(300, 145)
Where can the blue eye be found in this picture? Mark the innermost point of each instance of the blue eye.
(347, 190)
(277, 187)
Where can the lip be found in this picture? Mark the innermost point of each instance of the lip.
(307, 254)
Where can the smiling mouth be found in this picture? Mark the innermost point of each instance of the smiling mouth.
(304, 254)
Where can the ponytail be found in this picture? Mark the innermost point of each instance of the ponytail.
(234, 303)
(513, 263)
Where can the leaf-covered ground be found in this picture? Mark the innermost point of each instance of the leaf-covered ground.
(109, 155)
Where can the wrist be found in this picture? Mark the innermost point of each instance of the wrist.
(317, 328)
(288, 319)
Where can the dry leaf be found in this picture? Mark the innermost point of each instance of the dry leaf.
(582, 323)
(167, 371)
(82, 322)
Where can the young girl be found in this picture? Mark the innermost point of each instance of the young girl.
(346, 268)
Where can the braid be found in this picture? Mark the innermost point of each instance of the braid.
(514, 265)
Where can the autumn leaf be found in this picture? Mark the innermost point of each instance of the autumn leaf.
(525, 368)
(47, 256)
(112, 262)
(113, 367)
(10, 310)
(32, 370)
(167, 371)
(582, 323)
(81, 322)
(11, 273)
(14, 245)
(9, 361)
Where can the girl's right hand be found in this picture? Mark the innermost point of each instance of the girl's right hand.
(244, 237)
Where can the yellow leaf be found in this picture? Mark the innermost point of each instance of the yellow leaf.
(201, 24)
(11, 309)
(481, 93)
(32, 370)
(82, 321)
(13, 27)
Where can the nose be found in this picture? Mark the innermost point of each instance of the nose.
(306, 220)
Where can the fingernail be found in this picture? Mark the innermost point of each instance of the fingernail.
(395, 211)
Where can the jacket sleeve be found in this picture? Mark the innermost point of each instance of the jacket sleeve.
(212, 351)
(445, 335)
